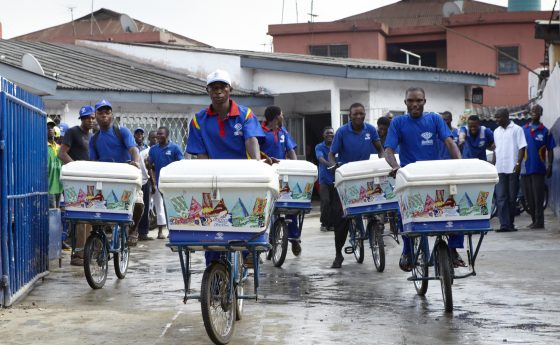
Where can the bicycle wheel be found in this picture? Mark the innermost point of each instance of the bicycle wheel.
(422, 251)
(494, 211)
(444, 268)
(357, 242)
(239, 287)
(279, 242)
(377, 245)
(545, 202)
(96, 261)
(218, 315)
(120, 258)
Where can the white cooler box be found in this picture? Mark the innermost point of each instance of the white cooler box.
(297, 179)
(100, 191)
(365, 187)
(218, 200)
(446, 195)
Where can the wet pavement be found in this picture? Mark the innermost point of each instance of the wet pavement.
(515, 298)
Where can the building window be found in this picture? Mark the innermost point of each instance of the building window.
(505, 64)
(334, 50)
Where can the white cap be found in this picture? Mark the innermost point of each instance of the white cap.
(218, 75)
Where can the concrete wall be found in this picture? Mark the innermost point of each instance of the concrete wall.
(367, 45)
(463, 54)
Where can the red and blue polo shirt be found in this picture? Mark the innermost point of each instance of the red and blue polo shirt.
(276, 143)
(223, 139)
(539, 140)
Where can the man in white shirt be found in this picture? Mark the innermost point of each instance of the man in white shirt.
(510, 149)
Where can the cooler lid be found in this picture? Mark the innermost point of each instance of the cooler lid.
(457, 171)
(375, 166)
(295, 167)
(100, 170)
(217, 170)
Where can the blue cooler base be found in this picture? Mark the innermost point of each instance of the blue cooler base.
(183, 236)
(371, 209)
(101, 217)
(447, 227)
(293, 205)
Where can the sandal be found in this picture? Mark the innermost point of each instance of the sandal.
(458, 261)
(404, 263)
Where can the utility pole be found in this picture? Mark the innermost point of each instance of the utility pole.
(91, 20)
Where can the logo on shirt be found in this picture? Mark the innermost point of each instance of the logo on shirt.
(282, 138)
(427, 136)
(539, 137)
(238, 129)
(168, 153)
(481, 143)
(368, 136)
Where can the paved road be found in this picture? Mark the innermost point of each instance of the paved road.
(515, 298)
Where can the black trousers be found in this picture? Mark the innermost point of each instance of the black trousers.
(340, 224)
(143, 227)
(327, 195)
(533, 189)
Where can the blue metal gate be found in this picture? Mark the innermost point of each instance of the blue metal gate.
(23, 191)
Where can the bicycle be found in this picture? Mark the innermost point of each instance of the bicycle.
(222, 288)
(279, 234)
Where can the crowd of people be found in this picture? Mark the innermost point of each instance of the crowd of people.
(228, 130)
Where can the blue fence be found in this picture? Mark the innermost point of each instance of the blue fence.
(23, 191)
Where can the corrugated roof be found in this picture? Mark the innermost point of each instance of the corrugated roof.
(419, 12)
(323, 60)
(105, 23)
(79, 68)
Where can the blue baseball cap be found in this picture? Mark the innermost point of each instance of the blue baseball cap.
(139, 129)
(63, 128)
(86, 110)
(103, 103)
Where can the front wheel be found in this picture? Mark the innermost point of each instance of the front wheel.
(377, 245)
(357, 241)
(120, 259)
(279, 243)
(218, 311)
(422, 253)
(239, 287)
(96, 261)
(444, 267)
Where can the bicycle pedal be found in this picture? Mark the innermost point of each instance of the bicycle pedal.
(349, 250)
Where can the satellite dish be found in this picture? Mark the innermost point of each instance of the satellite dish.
(30, 63)
(452, 7)
(128, 24)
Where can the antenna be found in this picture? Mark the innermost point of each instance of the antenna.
(311, 14)
(128, 24)
(71, 9)
(30, 63)
(451, 8)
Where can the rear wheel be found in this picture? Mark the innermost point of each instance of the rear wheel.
(120, 259)
(377, 245)
(421, 249)
(279, 242)
(445, 275)
(218, 315)
(357, 241)
(96, 261)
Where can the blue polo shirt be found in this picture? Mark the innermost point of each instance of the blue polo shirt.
(418, 138)
(443, 151)
(352, 146)
(223, 139)
(326, 176)
(109, 147)
(476, 146)
(539, 140)
(276, 143)
(162, 156)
